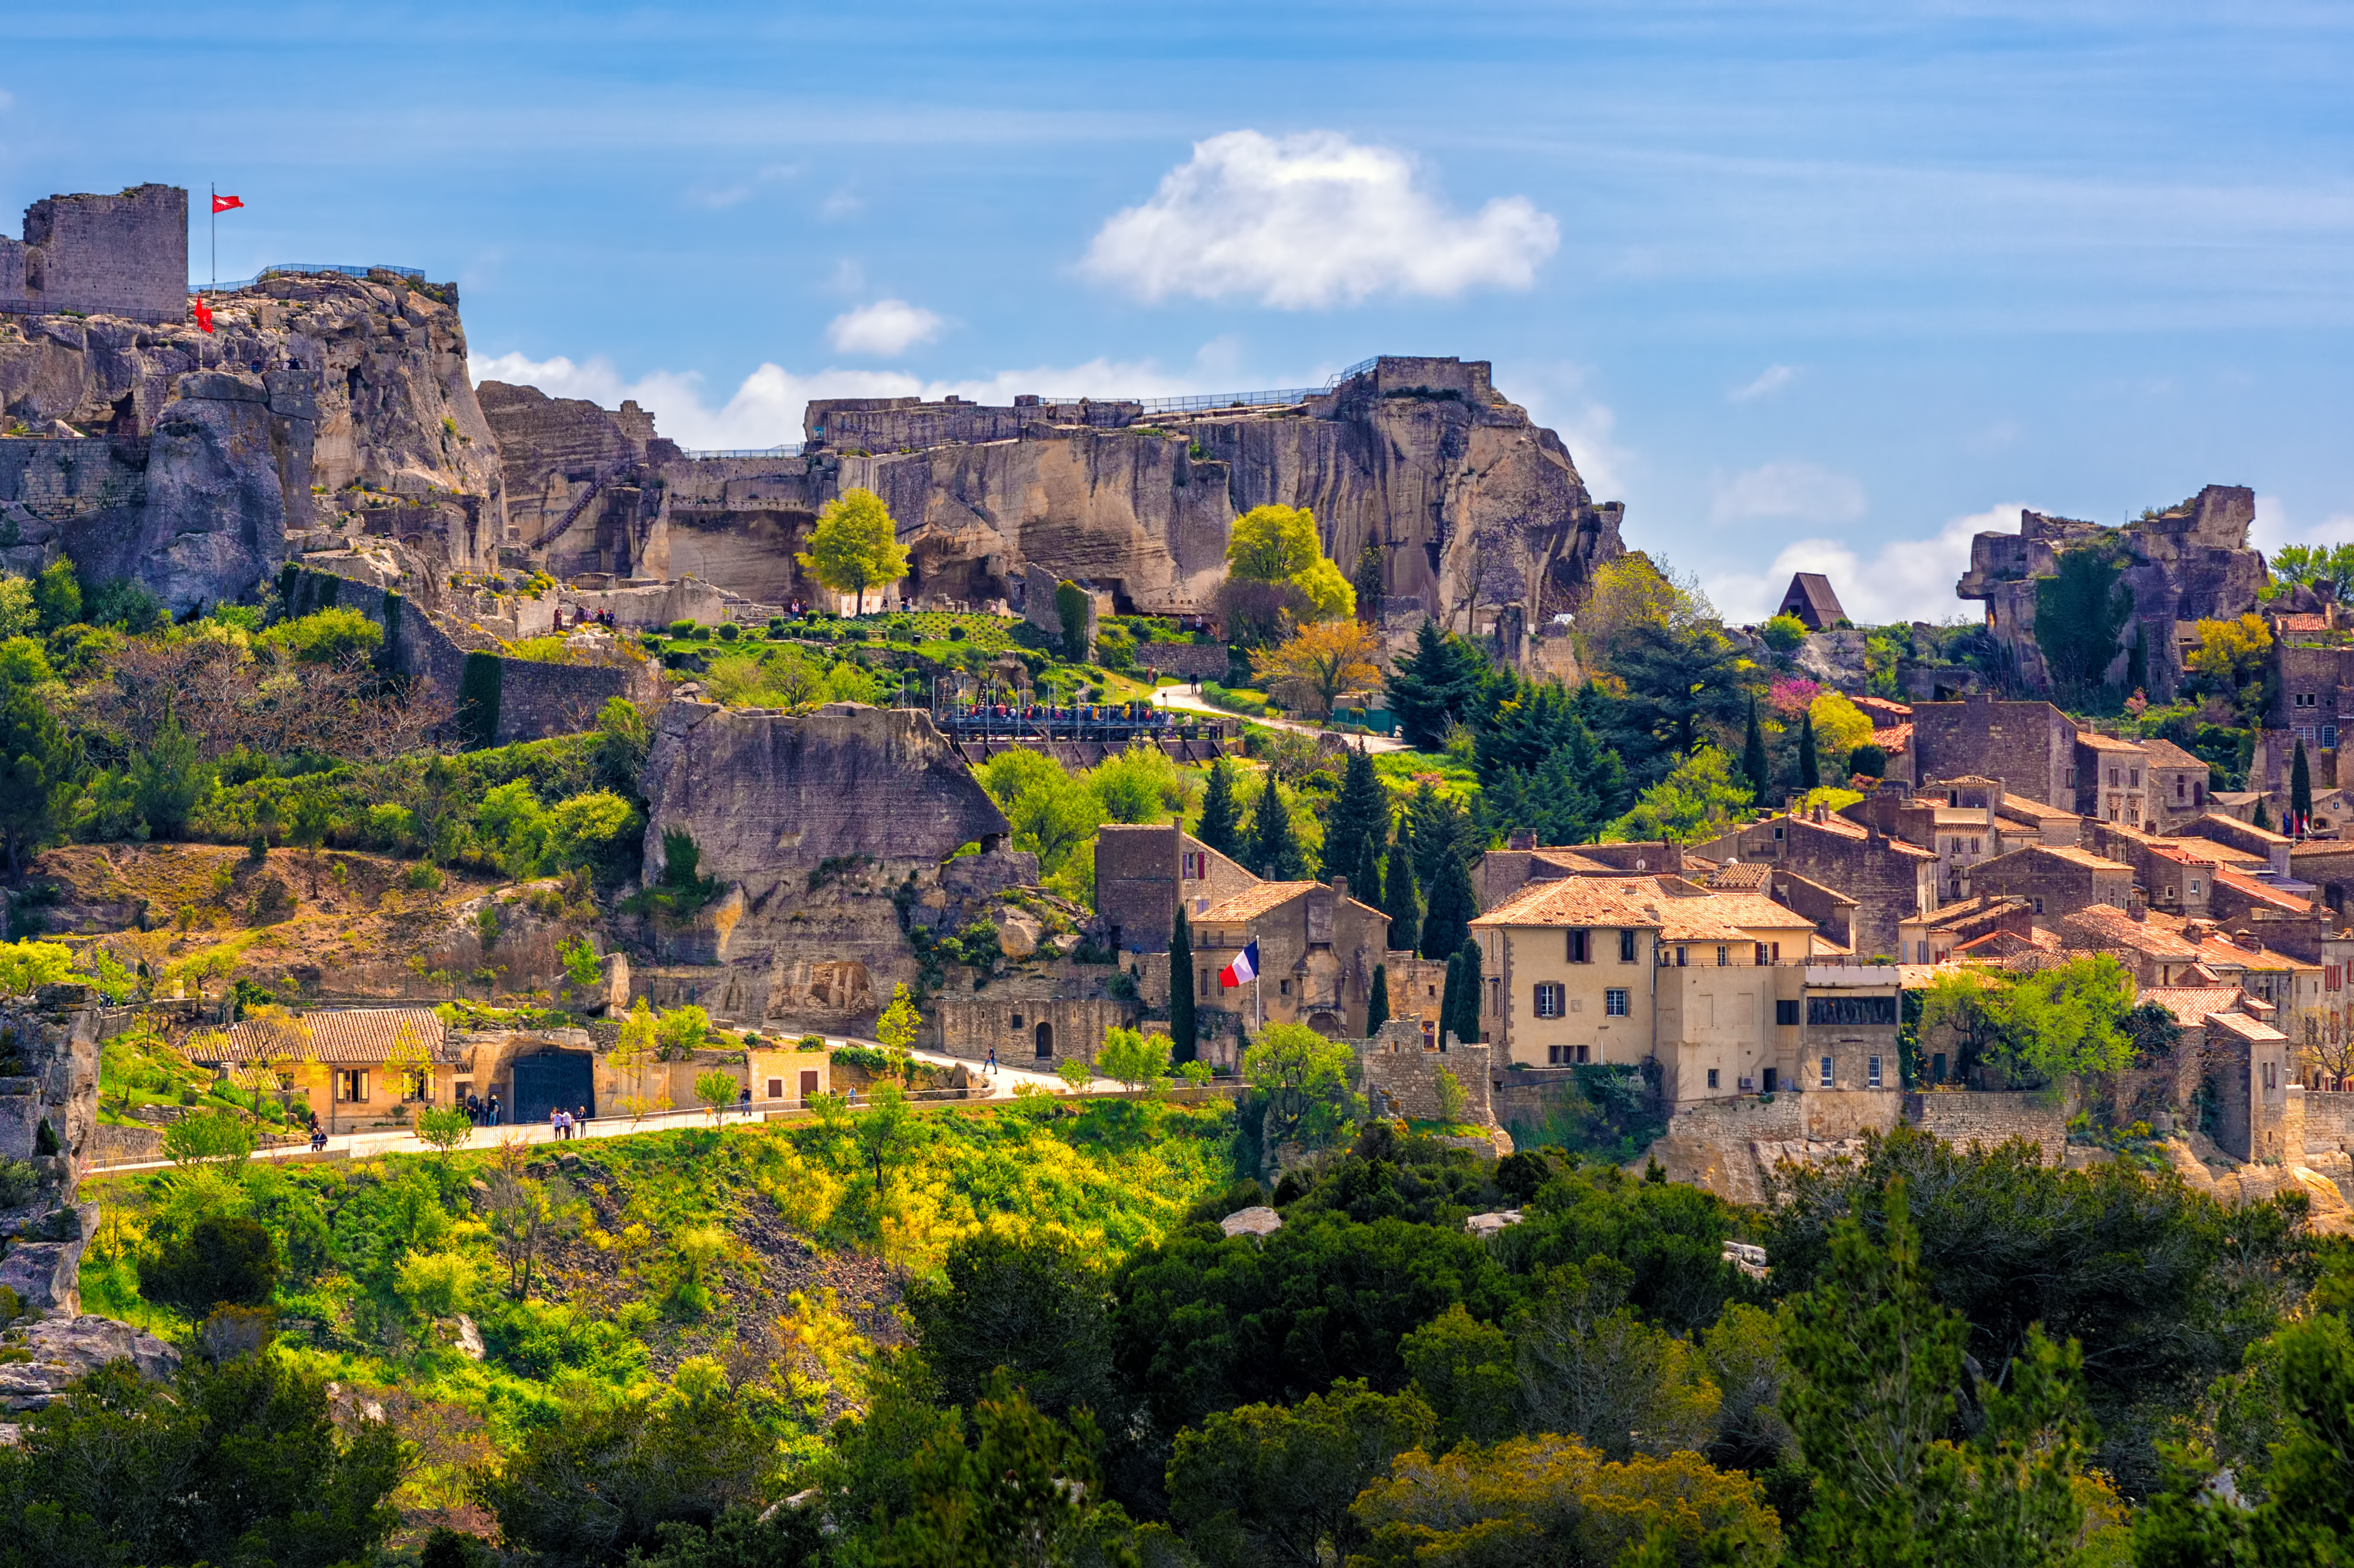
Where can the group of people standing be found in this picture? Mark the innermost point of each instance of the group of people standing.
(482, 1112)
(567, 1123)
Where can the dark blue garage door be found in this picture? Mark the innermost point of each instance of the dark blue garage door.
(550, 1079)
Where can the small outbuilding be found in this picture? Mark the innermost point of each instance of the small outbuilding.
(1810, 599)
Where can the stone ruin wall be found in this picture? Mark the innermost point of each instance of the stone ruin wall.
(123, 255)
(1401, 1075)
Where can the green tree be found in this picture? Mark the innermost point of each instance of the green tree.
(168, 778)
(57, 595)
(1132, 1057)
(1305, 1078)
(1072, 613)
(1810, 765)
(1400, 899)
(1275, 852)
(1447, 925)
(1466, 1021)
(2300, 792)
(885, 1131)
(855, 545)
(40, 774)
(715, 1090)
(1782, 633)
(331, 636)
(899, 1023)
(1184, 1042)
(239, 1461)
(1753, 755)
(1377, 1001)
(445, 1128)
(221, 1260)
(1700, 798)
(1584, 1364)
(1436, 686)
(684, 1031)
(1360, 814)
(1365, 882)
(1220, 826)
(2079, 611)
(1034, 1303)
(1270, 1484)
(1273, 544)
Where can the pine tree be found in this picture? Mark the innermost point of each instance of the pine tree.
(1467, 1000)
(1362, 812)
(1400, 900)
(1435, 685)
(1753, 755)
(1448, 924)
(1377, 1005)
(1183, 1040)
(1365, 883)
(1274, 850)
(1811, 766)
(1221, 821)
(2300, 793)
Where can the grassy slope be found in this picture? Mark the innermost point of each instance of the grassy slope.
(764, 1248)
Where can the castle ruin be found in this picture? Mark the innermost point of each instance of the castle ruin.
(123, 255)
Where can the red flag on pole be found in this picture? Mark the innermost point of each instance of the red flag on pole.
(222, 203)
(203, 314)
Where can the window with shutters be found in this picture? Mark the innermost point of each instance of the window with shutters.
(1550, 1000)
(1577, 946)
(1626, 946)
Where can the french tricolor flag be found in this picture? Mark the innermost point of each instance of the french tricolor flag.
(1243, 970)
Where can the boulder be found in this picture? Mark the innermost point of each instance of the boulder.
(63, 1348)
(1257, 1221)
(1018, 930)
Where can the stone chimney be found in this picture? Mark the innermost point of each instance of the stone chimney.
(1340, 887)
(1525, 840)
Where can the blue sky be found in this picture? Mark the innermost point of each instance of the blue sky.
(1827, 286)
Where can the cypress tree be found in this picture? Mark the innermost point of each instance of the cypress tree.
(1183, 1040)
(1448, 924)
(1273, 850)
(1221, 821)
(1450, 996)
(1467, 1000)
(2300, 793)
(1365, 882)
(1377, 1006)
(1752, 755)
(1811, 766)
(1360, 812)
(1402, 901)
(2259, 819)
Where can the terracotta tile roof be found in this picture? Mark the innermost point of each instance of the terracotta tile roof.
(2214, 853)
(1996, 944)
(1894, 740)
(1969, 910)
(1570, 860)
(1847, 828)
(2313, 621)
(2272, 897)
(2029, 808)
(2166, 754)
(1739, 878)
(362, 1036)
(2068, 853)
(2192, 1004)
(1253, 902)
(1581, 901)
(2253, 1031)
(2105, 926)
(1881, 712)
(1754, 911)
(2100, 742)
(2235, 827)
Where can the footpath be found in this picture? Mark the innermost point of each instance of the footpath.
(998, 1085)
(1182, 699)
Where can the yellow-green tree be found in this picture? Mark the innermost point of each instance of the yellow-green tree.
(1279, 545)
(896, 1030)
(855, 545)
(1840, 726)
(633, 1056)
(1317, 663)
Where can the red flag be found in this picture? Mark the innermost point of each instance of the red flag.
(222, 203)
(203, 314)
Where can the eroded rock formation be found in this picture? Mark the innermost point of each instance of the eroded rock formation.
(1478, 515)
(2191, 563)
(828, 833)
(183, 460)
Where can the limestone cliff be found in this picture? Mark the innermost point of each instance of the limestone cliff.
(184, 459)
(1478, 515)
(827, 832)
(2190, 563)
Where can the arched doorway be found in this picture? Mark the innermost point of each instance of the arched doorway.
(1327, 1025)
(1045, 1039)
(547, 1079)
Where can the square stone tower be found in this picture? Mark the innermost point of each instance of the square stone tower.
(123, 255)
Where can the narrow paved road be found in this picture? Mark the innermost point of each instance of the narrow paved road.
(1182, 699)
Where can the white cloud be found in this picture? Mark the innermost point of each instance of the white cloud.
(842, 203)
(2273, 527)
(8, 99)
(1907, 580)
(1769, 381)
(720, 196)
(1309, 221)
(886, 327)
(766, 409)
(1788, 489)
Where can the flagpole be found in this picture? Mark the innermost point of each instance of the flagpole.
(213, 192)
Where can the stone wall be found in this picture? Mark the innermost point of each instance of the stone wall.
(2031, 747)
(2329, 1118)
(123, 255)
(1988, 1119)
(1401, 1077)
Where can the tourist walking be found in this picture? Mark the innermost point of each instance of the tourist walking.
(992, 1069)
(493, 1108)
(554, 1122)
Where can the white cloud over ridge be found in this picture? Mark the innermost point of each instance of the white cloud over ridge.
(1788, 489)
(885, 328)
(1906, 579)
(765, 410)
(1310, 221)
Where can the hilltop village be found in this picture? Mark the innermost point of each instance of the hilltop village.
(392, 747)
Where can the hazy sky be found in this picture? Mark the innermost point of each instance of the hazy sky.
(1824, 286)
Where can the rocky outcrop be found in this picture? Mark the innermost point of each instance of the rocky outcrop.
(1477, 514)
(2190, 563)
(183, 459)
(59, 1349)
(827, 833)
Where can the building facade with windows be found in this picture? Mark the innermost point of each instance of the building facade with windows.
(1716, 987)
